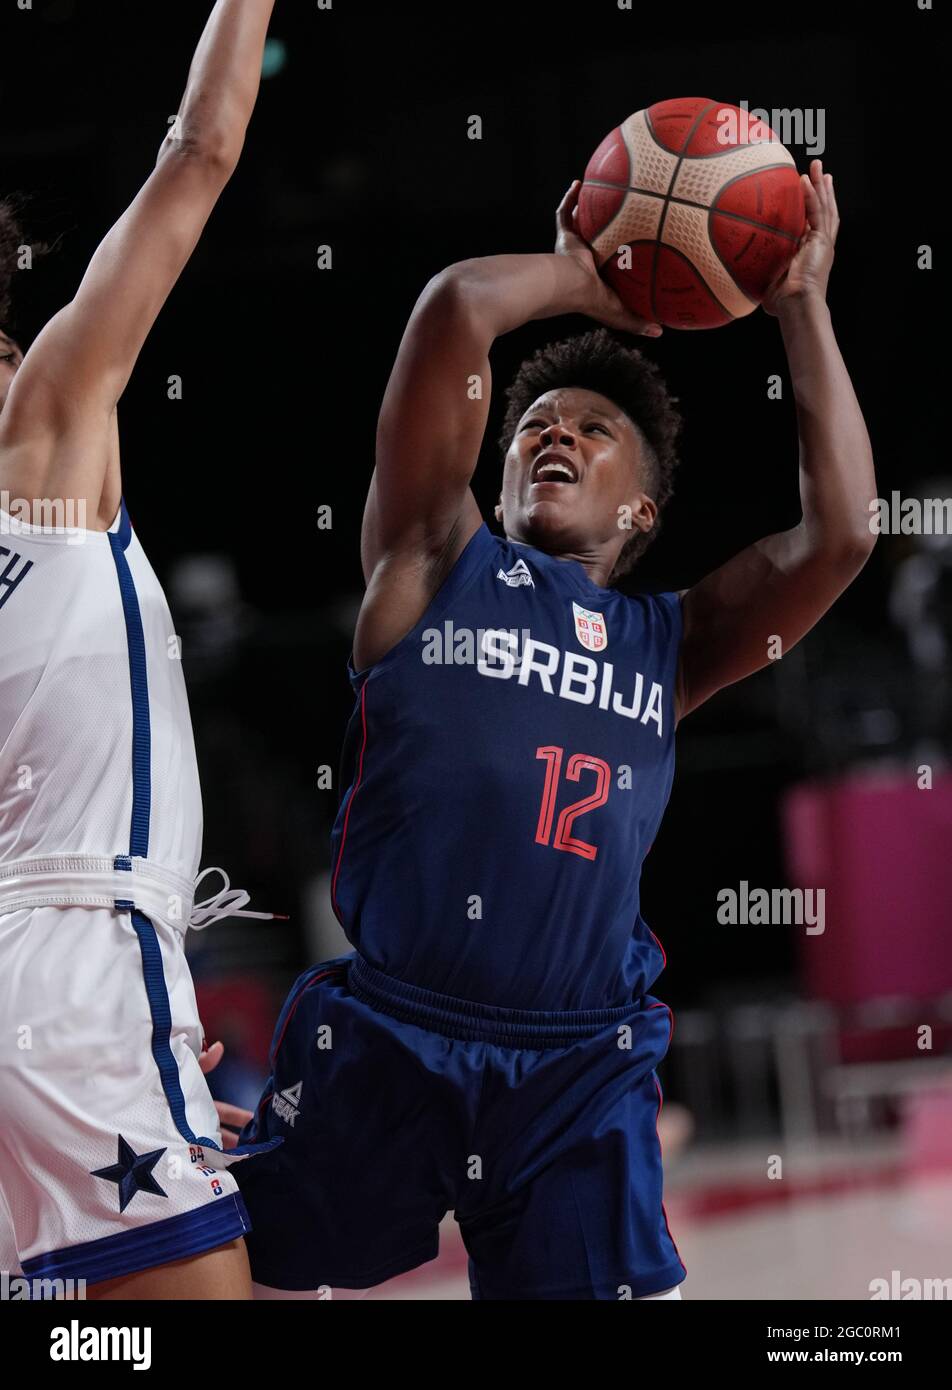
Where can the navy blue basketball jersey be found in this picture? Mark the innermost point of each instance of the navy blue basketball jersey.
(507, 765)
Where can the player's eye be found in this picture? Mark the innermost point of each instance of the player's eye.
(8, 357)
(594, 425)
(535, 424)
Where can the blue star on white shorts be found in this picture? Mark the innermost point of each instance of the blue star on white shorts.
(132, 1173)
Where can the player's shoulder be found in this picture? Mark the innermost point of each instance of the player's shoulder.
(666, 601)
(658, 613)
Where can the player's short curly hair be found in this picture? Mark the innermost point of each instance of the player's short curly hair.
(600, 361)
(11, 239)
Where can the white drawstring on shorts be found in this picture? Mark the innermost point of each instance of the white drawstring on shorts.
(227, 902)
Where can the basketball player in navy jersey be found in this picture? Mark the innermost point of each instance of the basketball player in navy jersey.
(490, 1045)
(112, 1168)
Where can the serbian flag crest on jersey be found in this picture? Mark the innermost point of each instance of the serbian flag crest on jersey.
(590, 628)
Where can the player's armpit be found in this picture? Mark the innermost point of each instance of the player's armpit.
(402, 586)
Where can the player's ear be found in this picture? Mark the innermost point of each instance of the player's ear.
(498, 511)
(644, 513)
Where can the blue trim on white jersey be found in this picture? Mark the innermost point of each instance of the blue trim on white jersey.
(161, 1011)
(153, 974)
(124, 529)
(127, 1252)
(139, 679)
(152, 971)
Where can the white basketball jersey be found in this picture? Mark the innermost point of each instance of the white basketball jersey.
(97, 757)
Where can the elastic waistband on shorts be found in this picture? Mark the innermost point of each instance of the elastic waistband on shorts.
(471, 1022)
(87, 880)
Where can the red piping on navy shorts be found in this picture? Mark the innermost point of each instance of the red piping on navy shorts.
(661, 1005)
(663, 1212)
(316, 979)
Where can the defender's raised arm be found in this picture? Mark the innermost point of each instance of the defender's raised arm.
(57, 427)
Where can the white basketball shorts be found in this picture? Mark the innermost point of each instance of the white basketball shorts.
(110, 1148)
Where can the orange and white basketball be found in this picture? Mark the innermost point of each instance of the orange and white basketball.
(692, 208)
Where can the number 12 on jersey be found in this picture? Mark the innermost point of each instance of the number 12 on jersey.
(577, 764)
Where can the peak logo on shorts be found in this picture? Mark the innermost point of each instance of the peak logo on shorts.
(590, 628)
(519, 574)
(285, 1105)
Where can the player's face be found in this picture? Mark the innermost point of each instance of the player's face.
(573, 477)
(10, 359)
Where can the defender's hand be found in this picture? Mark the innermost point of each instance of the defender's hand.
(208, 1060)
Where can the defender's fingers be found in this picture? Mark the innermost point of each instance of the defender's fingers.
(232, 1114)
(209, 1057)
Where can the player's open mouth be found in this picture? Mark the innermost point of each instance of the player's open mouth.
(553, 468)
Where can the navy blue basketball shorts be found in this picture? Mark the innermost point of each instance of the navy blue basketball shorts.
(396, 1104)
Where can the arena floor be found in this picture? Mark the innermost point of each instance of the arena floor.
(839, 1219)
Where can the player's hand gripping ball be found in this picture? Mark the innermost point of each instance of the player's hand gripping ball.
(693, 212)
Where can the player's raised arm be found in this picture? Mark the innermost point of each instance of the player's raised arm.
(56, 424)
(420, 511)
(781, 586)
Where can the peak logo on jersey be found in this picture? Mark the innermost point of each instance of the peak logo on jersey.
(285, 1105)
(590, 628)
(519, 574)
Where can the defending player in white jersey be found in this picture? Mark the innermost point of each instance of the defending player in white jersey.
(111, 1161)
